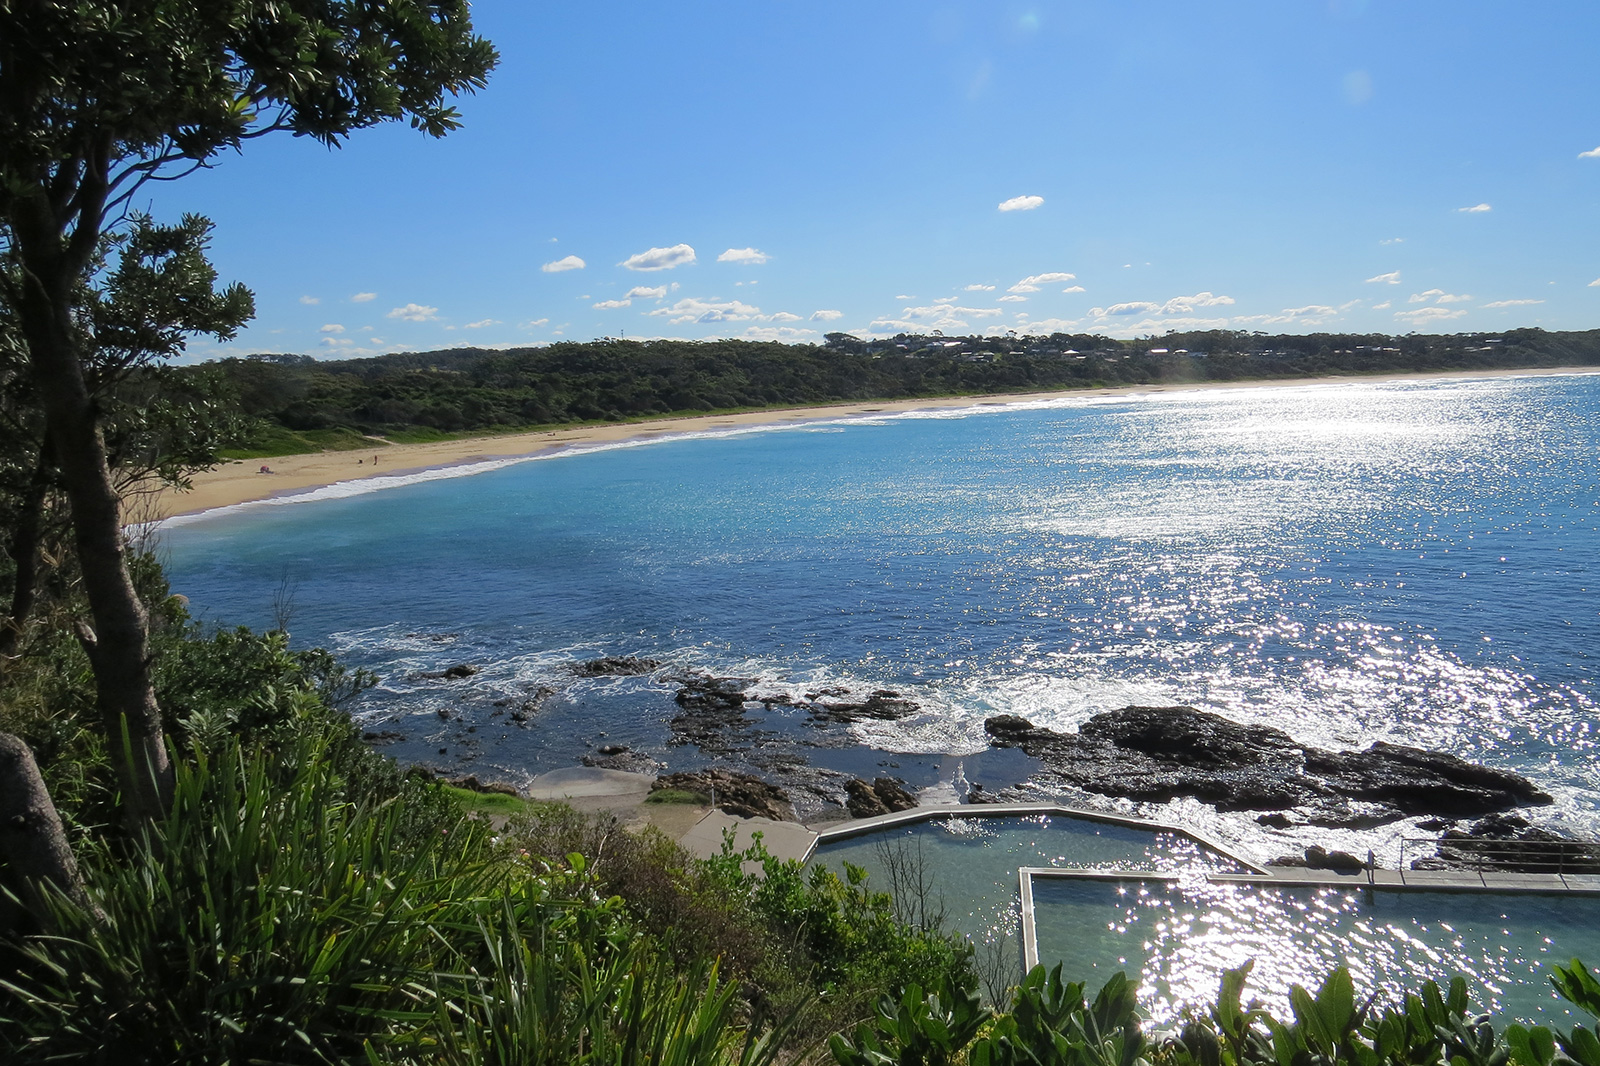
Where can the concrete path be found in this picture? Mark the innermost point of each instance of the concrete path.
(786, 840)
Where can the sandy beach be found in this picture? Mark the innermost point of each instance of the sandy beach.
(243, 481)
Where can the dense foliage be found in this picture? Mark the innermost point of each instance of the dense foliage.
(304, 404)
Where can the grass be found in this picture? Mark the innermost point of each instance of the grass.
(493, 803)
(278, 440)
(677, 795)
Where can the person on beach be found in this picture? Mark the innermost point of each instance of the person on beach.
(265, 469)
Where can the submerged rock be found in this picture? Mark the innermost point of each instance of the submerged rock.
(882, 705)
(451, 673)
(737, 794)
(1158, 754)
(616, 666)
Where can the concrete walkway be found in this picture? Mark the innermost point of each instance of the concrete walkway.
(785, 840)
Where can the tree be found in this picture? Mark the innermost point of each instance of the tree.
(99, 97)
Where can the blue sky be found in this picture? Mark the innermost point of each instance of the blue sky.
(773, 169)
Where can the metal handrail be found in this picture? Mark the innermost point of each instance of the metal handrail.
(1543, 856)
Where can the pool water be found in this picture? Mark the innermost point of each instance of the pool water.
(971, 863)
(1179, 936)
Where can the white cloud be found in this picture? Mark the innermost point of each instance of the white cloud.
(903, 296)
(644, 292)
(1136, 307)
(826, 316)
(311, 301)
(415, 313)
(1512, 303)
(660, 258)
(784, 316)
(481, 323)
(1424, 316)
(1052, 325)
(1391, 278)
(777, 333)
(1595, 284)
(569, 262)
(363, 297)
(1013, 299)
(1182, 305)
(936, 316)
(691, 309)
(531, 323)
(1593, 153)
(1074, 288)
(1475, 209)
(978, 288)
(946, 300)
(1393, 240)
(331, 327)
(1309, 315)
(1022, 203)
(1383, 306)
(1032, 282)
(733, 255)
(606, 305)
(1438, 295)
(336, 342)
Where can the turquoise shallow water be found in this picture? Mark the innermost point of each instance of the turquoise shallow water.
(1410, 562)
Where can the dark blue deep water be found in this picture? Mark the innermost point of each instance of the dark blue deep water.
(1409, 561)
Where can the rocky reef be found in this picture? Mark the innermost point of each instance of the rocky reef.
(1158, 754)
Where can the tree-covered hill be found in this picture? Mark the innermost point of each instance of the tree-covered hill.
(304, 403)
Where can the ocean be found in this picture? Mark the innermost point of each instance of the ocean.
(1404, 561)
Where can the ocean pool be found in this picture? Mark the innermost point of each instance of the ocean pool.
(1179, 935)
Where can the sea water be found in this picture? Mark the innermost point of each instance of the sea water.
(1409, 561)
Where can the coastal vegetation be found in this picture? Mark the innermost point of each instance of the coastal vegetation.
(300, 404)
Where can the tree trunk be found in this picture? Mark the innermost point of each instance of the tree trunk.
(24, 549)
(118, 644)
(33, 846)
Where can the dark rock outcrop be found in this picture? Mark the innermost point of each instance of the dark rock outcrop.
(1507, 843)
(883, 796)
(1161, 753)
(452, 673)
(616, 666)
(883, 705)
(737, 794)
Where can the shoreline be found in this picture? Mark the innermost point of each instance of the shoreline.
(240, 481)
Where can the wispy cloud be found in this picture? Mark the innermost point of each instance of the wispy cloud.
(1438, 296)
(1475, 209)
(1074, 288)
(534, 322)
(645, 292)
(737, 255)
(1022, 203)
(787, 334)
(565, 263)
(1593, 153)
(1132, 307)
(939, 316)
(978, 288)
(363, 297)
(1013, 298)
(1383, 306)
(1182, 305)
(1425, 316)
(660, 258)
(1595, 284)
(1033, 282)
(1309, 315)
(1393, 240)
(482, 323)
(1391, 278)
(1512, 303)
(826, 316)
(691, 309)
(310, 300)
(415, 313)
(606, 305)
(331, 327)
(903, 296)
